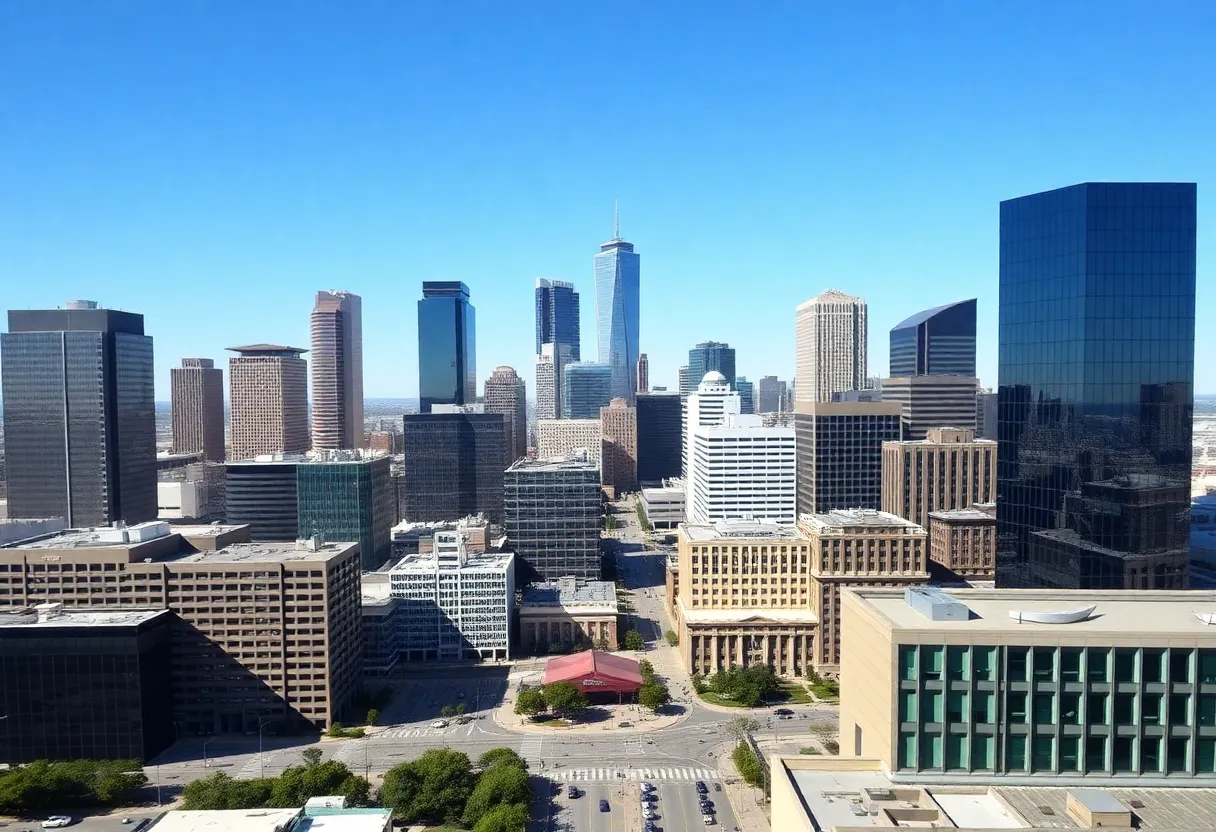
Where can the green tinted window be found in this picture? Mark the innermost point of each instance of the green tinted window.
(931, 706)
(956, 752)
(1122, 754)
(956, 706)
(907, 663)
(932, 658)
(956, 664)
(983, 659)
(1180, 709)
(1070, 708)
(1095, 754)
(1096, 661)
(1152, 664)
(1095, 709)
(1150, 709)
(1043, 756)
(1044, 708)
(1180, 754)
(907, 751)
(1070, 753)
(907, 706)
(1125, 708)
(1207, 667)
(1015, 753)
(982, 708)
(1125, 664)
(1070, 664)
(930, 751)
(1016, 706)
(1044, 664)
(981, 752)
(1150, 755)
(1180, 666)
(1018, 658)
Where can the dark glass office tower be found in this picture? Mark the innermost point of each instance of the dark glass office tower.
(264, 496)
(79, 419)
(349, 500)
(557, 313)
(453, 466)
(839, 453)
(660, 436)
(711, 355)
(936, 342)
(552, 516)
(447, 345)
(1097, 346)
(747, 395)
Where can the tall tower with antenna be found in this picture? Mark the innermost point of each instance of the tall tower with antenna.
(617, 309)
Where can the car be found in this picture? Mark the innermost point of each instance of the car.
(650, 827)
(701, 787)
(707, 809)
(783, 712)
(717, 787)
(648, 814)
(603, 805)
(647, 787)
(708, 820)
(439, 723)
(572, 791)
(56, 822)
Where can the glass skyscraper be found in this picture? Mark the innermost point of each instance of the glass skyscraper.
(1097, 346)
(708, 356)
(586, 387)
(617, 312)
(557, 320)
(447, 345)
(79, 418)
(348, 500)
(936, 342)
(747, 395)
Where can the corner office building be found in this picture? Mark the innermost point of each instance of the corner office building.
(453, 465)
(1050, 687)
(264, 632)
(552, 511)
(79, 418)
(840, 453)
(84, 684)
(1096, 364)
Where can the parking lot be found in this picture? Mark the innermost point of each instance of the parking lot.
(676, 810)
(102, 823)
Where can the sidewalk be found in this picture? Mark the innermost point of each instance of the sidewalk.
(752, 816)
(640, 720)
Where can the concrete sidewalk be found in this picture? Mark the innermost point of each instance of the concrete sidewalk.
(753, 816)
(640, 720)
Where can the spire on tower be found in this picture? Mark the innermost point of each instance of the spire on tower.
(616, 219)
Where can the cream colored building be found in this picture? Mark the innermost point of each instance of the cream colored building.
(1059, 687)
(948, 469)
(268, 401)
(963, 542)
(619, 442)
(830, 334)
(562, 437)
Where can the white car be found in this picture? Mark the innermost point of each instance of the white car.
(56, 822)
(439, 723)
(647, 814)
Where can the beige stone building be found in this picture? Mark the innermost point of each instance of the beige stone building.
(963, 542)
(505, 393)
(197, 392)
(619, 444)
(265, 631)
(562, 437)
(268, 401)
(948, 469)
(568, 611)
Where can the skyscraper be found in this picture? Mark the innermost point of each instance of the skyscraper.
(552, 510)
(708, 406)
(840, 453)
(1096, 372)
(685, 382)
(453, 465)
(773, 396)
(712, 355)
(747, 395)
(586, 387)
(936, 342)
(830, 346)
(741, 470)
(196, 392)
(447, 345)
(79, 418)
(660, 428)
(643, 380)
(619, 446)
(337, 371)
(557, 312)
(268, 398)
(548, 384)
(505, 394)
(617, 311)
(931, 402)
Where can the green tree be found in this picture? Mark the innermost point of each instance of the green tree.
(609, 523)
(601, 644)
(373, 716)
(447, 710)
(434, 788)
(653, 695)
(566, 699)
(672, 638)
(299, 783)
(739, 727)
(219, 791)
(501, 757)
(634, 641)
(460, 708)
(750, 769)
(531, 701)
(646, 669)
(335, 730)
(501, 784)
(506, 818)
(43, 785)
(312, 756)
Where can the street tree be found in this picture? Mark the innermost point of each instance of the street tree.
(511, 817)
(531, 701)
(646, 669)
(566, 699)
(739, 727)
(501, 757)
(672, 638)
(312, 756)
(653, 695)
(634, 641)
(460, 708)
(219, 791)
(447, 710)
(297, 784)
(373, 716)
(433, 788)
(498, 785)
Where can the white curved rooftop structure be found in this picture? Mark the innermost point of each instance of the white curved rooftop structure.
(1051, 617)
(713, 377)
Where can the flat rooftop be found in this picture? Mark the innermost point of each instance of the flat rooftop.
(1155, 613)
(422, 527)
(576, 461)
(427, 561)
(343, 820)
(565, 594)
(208, 529)
(856, 518)
(974, 515)
(268, 552)
(226, 820)
(53, 615)
(667, 493)
(740, 529)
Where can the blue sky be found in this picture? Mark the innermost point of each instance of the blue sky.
(211, 164)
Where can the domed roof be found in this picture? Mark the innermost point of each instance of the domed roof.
(714, 377)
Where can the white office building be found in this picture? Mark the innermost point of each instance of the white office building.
(742, 470)
(563, 437)
(455, 605)
(712, 402)
(830, 332)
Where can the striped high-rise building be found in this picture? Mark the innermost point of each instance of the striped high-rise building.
(830, 333)
(337, 371)
(932, 402)
(197, 396)
(268, 397)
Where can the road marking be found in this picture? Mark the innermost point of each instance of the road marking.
(253, 768)
(633, 747)
(531, 746)
(612, 775)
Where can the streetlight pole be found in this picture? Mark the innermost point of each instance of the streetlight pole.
(261, 759)
(158, 803)
(206, 761)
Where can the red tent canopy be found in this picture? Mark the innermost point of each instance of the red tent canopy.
(594, 671)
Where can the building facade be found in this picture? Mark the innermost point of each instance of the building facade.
(839, 447)
(664, 505)
(985, 414)
(79, 420)
(618, 312)
(245, 651)
(337, 371)
(741, 470)
(447, 345)
(454, 465)
(1040, 686)
(830, 337)
(660, 431)
(772, 395)
(262, 495)
(932, 402)
(197, 401)
(561, 437)
(712, 356)
(586, 387)
(552, 516)
(505, 393)
(557, 316)
(936, 342)
(643, 380)
(619, 446)
(455, 606)
(568, 613)
(962, 542)
(685, 382)
(268, 401)
(89, 685)
(1096, 362)
(747, 395)
(548, 384)
(348, 499)
(708, 405)
(948, 469)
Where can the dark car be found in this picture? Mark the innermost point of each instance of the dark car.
(603, 805)
(783, 712)
(701, 787)
(572, 791)
(717, 787)
(707, 808)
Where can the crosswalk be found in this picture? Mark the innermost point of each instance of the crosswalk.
(253, 767)
(531, 746)
(599, 775)
(633, 747)
(405, 732)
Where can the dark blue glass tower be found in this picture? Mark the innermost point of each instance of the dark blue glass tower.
(447, 345)
(1097, 347)
(936, 342)
(557, 316)
(711, 355)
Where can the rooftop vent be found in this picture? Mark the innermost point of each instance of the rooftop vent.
(1049, 617)
(936, 605)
